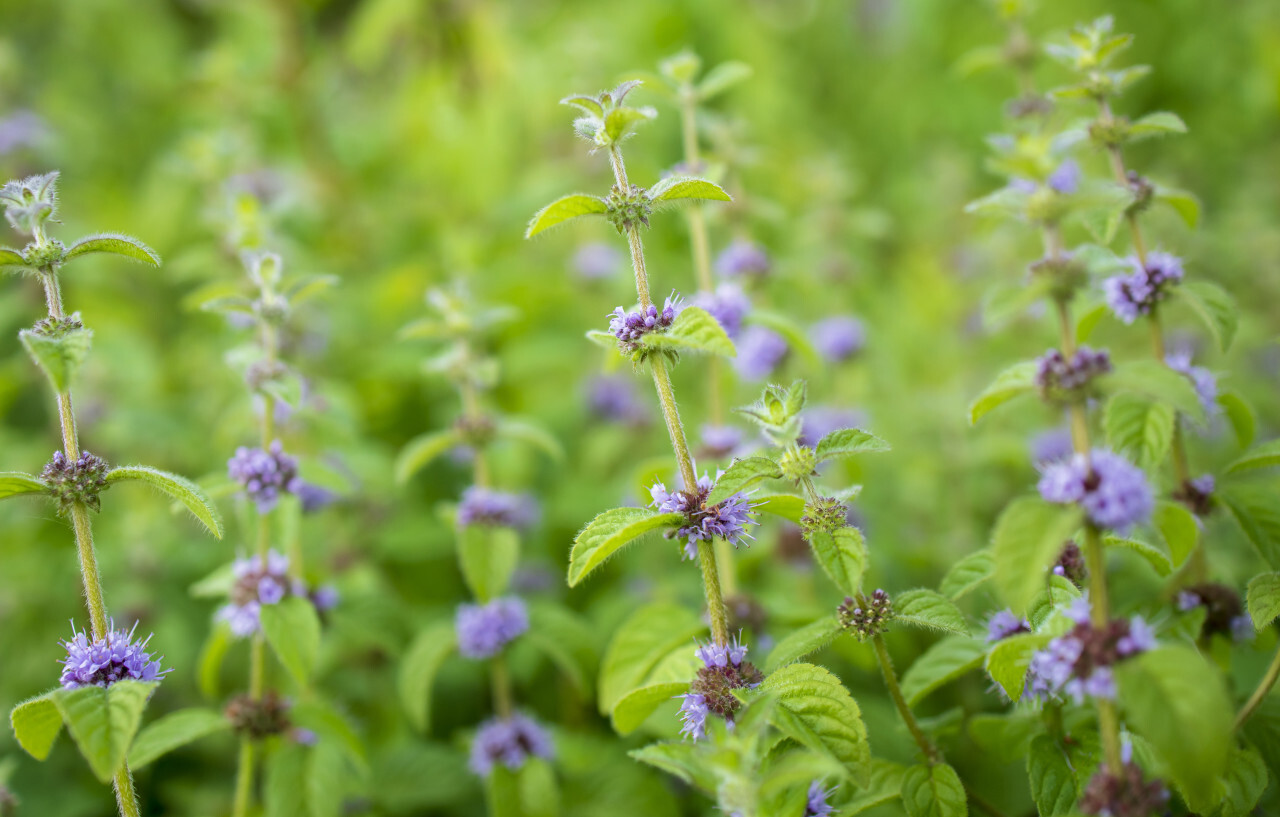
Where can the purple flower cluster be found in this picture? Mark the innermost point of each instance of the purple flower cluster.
(838, 338)
(729, 305)
(596, 260)
(630, 327)
(1050, 446)
(724, 668)
(613, 398)
(1224, 612)
(1061, 378)
(1126, 794)
(816, 804)
(1137, 294)
(483, 630)
(760, 350)
(1079, 662)
(1004, 624)
(1204, 381)
(1113, 492)
(509, 741)
(258, 581)
(727, 520)
(483, 506)
(1197, 494)
(741, 259)
(1065, 178)
(264, 474)
(103, 661)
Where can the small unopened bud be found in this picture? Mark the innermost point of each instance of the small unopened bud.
(261, 718)
(866, 617)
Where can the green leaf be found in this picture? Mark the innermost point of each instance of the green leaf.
(1178, 528)
(694, 330)
(11, 258)
(174, 731)
(846, 442)
(1157, 558)
(1015, 381)
(1170, 694)
(1245, 781)
(180, 488)
(673, 188)
(116, 244)
(682, 760)
(1263, 455)
(15, 483)
(621, 121)
(945, 661)
(1264, 599)
(843, 556)
(1212, 304)
(638, 704)
(641, 644)
(815, 710)
(1241, 417)
(330, 727)
(36, 724)
(103, 721)
(1053, 782)
(292, 628)
(721, 78)
(1255, 510)
(933, 791)
(418, 670)
(421, 450)
(885, 785)
(968, 574)
(488, 555)
(1028, 537)
(611, 531)
(1154, 379)
(930, 610)
(741, 475)
(532, 434)
(787, 506)
(567, 640)
(563, 209)
(60, 356)
(1089, 321)
(1185, 204)
(211, 656)
(1009, 658)
(1161, 123)
(1139, 427)
(804, 641)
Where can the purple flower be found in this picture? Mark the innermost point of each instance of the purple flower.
(258, 581)
(1242, 628)
(313, 497)
(265, 474)
(816, 805)
(1113, 492)
(597, 260)
(1061, 378)
(724, 668)
(630, 327)
(103, 661)
(613, 398)
(1124, 794)
(727, 520)
(712, 654)
(325, 597)
(1204, 381)
(508, 741)
(728, 305)
(1050, 446)
(1137, 294)
(1065, 178)
(1079, 663)
(693, 713)
(838, 338)
(742, 258)
(1021, 185)
(483, 506)
(1224, 611)
(483, 630)
(1004, 624)
(760, 350)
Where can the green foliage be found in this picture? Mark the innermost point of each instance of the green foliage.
(36, 723)
(115, 244)
(802, 642)
(488, 555)
(815, 710)
(59, 355)
(848, 441)
(944, 662)
(1264, 599)
(1028, 537)
(741, 475)
(180, 488)
(933, 791)
(1139, 428)
(1015, 381)
(174, 731)
(292, 629)
(103, 721)
(1215, 308)
(929, 610)
(1053, 781)
(564, 209)
(968, 574)
(693, 330)
(843, 556)
(1009, 659)
(421, 450)
(418, 670)
(611, 531)
(14, 483)
(654, 635)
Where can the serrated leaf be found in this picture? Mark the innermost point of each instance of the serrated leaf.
(1264, 599)
(1245, 781)
(418, 670)
(36, 724)
(1156, 557)
(179, 488)
(1264, 455)
(787, 506)
(488, 555)
(1015, 381)
(116, 244)
(15, 483)
(1009, 658)
(802, 642)
(721, 78)
(529, 432)
(1178, 528)
(1161, 123)
(741, 475)
(421, 450)
(292, 628)
(103, 721)
(174, 731)
(930, 610)
(843, 556)
(1214, 307)
(1028, 537)
(682, 760)
(1169, 693)
(564, 209)
(1240, 416)
(1255, 510)
(694, 330)
(611, 531)
(814, 709)
(1053, 783)
(846, 442)
(1139, 427)
(933, 791)
(942, 663)
(640, 645)
(968, 574)
(638, 704)
(674, 188)
(1154, 379)
(58, 357)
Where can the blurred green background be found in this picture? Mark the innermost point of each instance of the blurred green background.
(409, 141)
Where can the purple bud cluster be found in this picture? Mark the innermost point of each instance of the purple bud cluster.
(1205, 383)
(1224, 612)
(727, 520)
(838, 338)
(1112, 491)
(258, 581)
(1070, 564)
(1059, 377)
(1005, 624)
(80, 481)
(509, 741)
(103, 661)
(866, 617)
(742, 259)
(483, 506)
(1079, 663)
(724, 668)
(631, 327)
(1135, 294)
(1126, 794)
(265, 474)
(483, 630)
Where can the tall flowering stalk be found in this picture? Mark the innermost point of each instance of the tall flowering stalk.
(108, 676)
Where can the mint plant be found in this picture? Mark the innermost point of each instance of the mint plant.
(108, 674)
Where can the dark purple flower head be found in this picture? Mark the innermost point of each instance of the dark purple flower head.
(1113, 492)
(1124, 794)
(1197, 494)
(483, 630)
(727, 520)
(816, 804)
(724, 668)
(80, 480)
(1079, 663)
(630, 327)
(866, 616)
(509, 741)
(1050, 446)
(1066, 379)
(614, 399)
(1224, 612)
(258, 718)
(597, 260)
(265, 474)
(742, 259)
(1004, 624)
(760, 350)
(258, 581)
(1204, 381)
(728, 305)
(839, 338)
(102, 662)
(483, 506)
(1070, 564)
(1137, 294)
(1065, 178)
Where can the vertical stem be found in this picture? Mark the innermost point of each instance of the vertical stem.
(675, 429)
(1264, 686)
(715, 598)
(126, 797)
(502, 697)
(244, 779)
(89, 570)
(891, 681)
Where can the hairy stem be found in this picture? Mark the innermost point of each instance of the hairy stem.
(1260, 694)
(931, 752)
(126, 796)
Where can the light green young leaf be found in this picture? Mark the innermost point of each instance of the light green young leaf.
(1154, 379)
(741, 475)
(1156, 557)
(1240, 416)
(1186, 205)
(421, 450)
(968, 574)
(1015, 381)
(116, 244)
(529, 432)
(16, 483)
(179, 488)
(694, 330)
(36, 724)
(843, 556)
(944, 662)
(1264, 455)
(721, 78)
(1028, 537)
(174, 731)
(1178, 528)
(638, 704)
(1264, 599)
(930, 610)
(1009, 658)
(846, 442)
(1139, 427)
(814, 709)
(674, 188)
(11, 258)
(1161, 123)
(681, 760)
(787, 506)
(1214, 307)
(621, 121)
(564, 209)
(641, 644)
(487, 555)
(611, 531)
(1053, 782)
(292, 628)
(103, 721)
(933, 791)
(802, 642)
(59, 357)
(418, 670)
